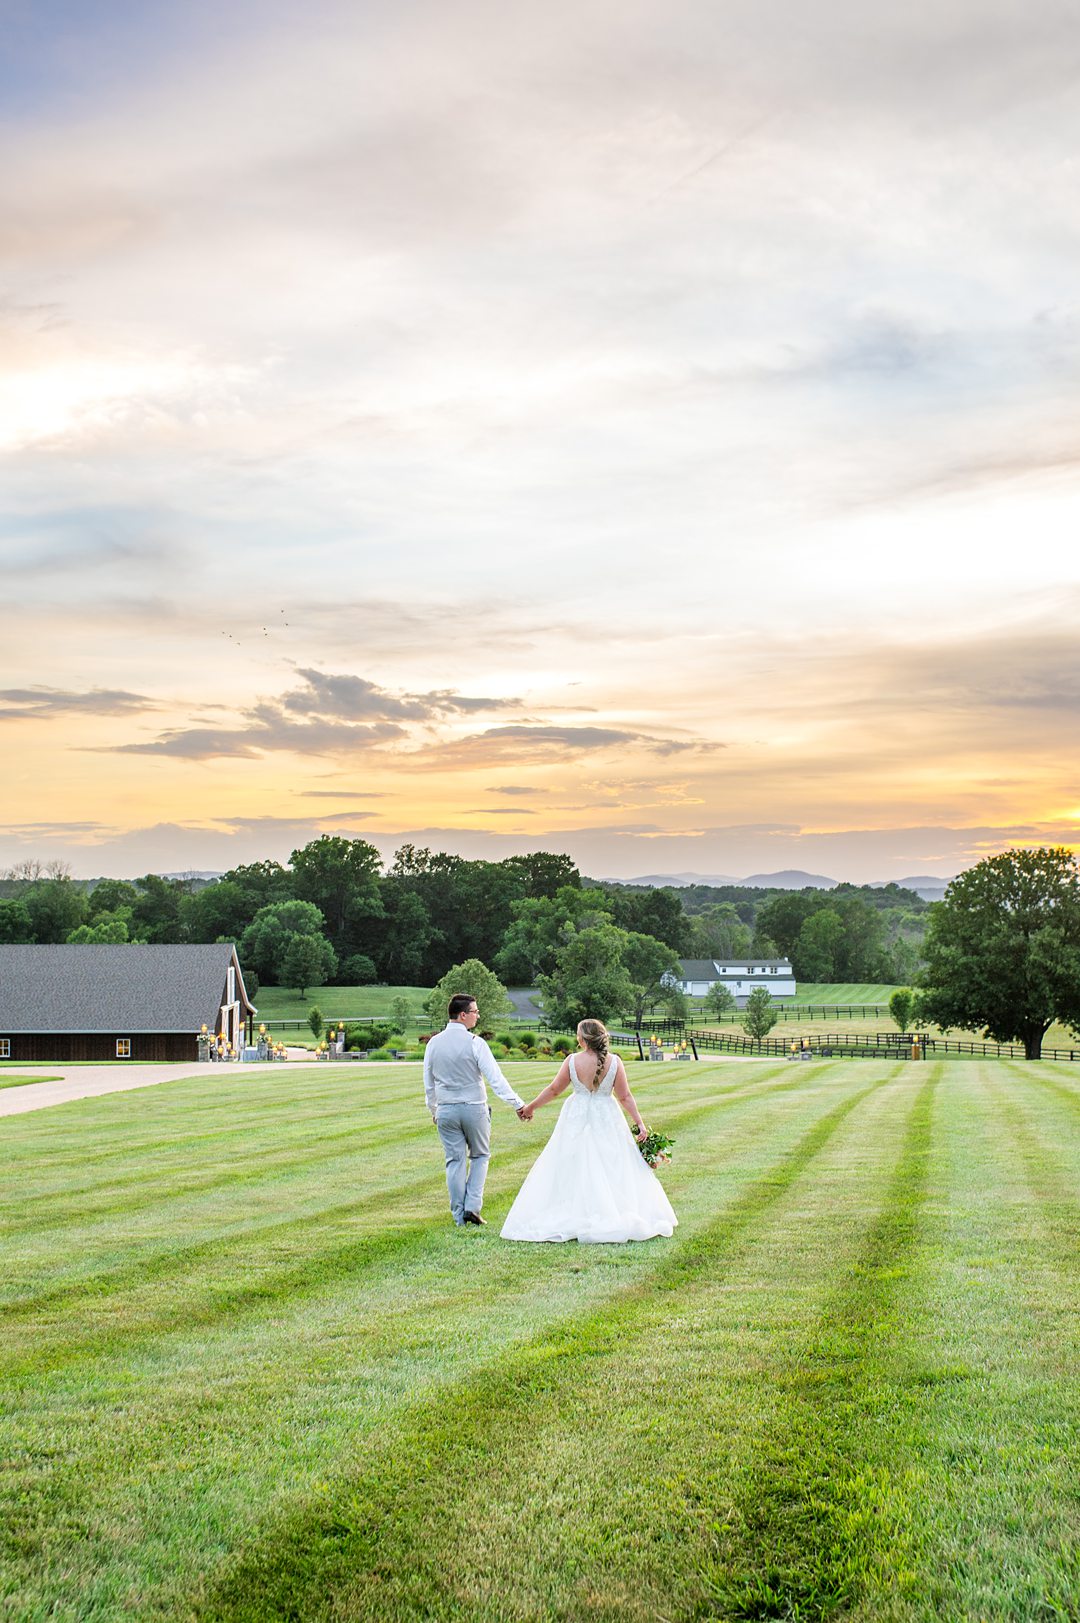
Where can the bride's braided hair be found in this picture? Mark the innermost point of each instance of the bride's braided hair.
(594, 1034)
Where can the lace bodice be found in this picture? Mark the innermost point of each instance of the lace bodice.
(606, 1085)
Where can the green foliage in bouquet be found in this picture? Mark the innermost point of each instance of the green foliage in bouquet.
(656, 1148)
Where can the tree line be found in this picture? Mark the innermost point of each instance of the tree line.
(333, 914)
(1002, 951)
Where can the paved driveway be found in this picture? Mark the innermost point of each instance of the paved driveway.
(90, 1081)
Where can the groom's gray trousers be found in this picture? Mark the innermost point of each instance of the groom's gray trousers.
(465, 1130)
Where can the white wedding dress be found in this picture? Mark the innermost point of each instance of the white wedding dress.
(590, 1181)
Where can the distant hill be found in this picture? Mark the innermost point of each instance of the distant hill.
(931, 887)
(789, 879)
(659, 880)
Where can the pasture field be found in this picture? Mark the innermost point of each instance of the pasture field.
(252, 1371)
(841, 992)
(336, 1002)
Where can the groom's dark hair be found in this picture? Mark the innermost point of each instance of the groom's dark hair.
(459, 1003)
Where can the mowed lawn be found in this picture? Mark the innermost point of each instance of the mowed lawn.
(251, 1371)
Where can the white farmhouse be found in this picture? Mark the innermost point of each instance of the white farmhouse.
(740, 977)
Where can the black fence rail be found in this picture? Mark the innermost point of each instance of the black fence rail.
(819, 1011)
(830, 1046)
(851, 1044)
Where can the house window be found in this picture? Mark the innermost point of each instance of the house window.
(123, 1047)
(5, 1047)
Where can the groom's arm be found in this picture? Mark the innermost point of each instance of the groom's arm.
(429, 1081)
(489, 1070)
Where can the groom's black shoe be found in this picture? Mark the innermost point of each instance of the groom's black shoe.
(474, 1217)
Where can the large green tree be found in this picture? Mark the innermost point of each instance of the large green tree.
(221, 911)
(271, 932)
(818, 946)
(718, 932)
(656, 913)
(156, 912)
(1003, 949)
(341, 877)
(56, 907)
(541, 926)
(475, 978)
(401, 938)
(542, 873)
(110, 896)
(590, 979)
(307, 960)
(647, 962)
(16, 925)
(107, 929)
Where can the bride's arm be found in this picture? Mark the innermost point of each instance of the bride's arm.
(557, 1085)
(622, 1092)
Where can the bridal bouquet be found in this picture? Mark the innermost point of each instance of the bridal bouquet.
(656, 1148)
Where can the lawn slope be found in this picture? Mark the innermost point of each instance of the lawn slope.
(252, 1371)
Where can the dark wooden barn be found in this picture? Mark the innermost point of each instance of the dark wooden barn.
(108, 1002)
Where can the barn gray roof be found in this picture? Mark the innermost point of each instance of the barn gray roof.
(113, 989)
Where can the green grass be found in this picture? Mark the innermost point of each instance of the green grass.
(336, 1002)
(842, 992)
(7, 1081)
(251, 1371)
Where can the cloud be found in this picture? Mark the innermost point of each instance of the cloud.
(354, 698)
(267, 733)
(516, 789)
(45, 703)
(331, 714)
(342, 794)
(523, 742)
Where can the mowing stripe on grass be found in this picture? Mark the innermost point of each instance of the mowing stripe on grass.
(294, 1569)
(401, 1179)
(995, 1331)
(816, 1522)
(120, 1428)
(120, 1307)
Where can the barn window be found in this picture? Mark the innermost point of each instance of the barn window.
(123, 1047)
(5, 1047)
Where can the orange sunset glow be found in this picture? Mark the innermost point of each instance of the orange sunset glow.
(635, 436)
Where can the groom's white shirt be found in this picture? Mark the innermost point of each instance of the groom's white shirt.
(456, 1065)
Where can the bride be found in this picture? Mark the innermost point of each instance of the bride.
(590, 1182)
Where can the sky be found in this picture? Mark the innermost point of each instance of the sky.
(647, 432)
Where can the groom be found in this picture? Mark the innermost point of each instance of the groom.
(456, 1065)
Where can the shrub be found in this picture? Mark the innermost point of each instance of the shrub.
(369, 1037)
(563, 1045)
(506, 1039)
(380, 1054)
(526, 1039)
(358, 970)
(315, 1021)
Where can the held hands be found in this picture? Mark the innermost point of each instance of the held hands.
(525, 1113)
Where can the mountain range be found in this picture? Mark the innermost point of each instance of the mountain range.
(931, 887)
